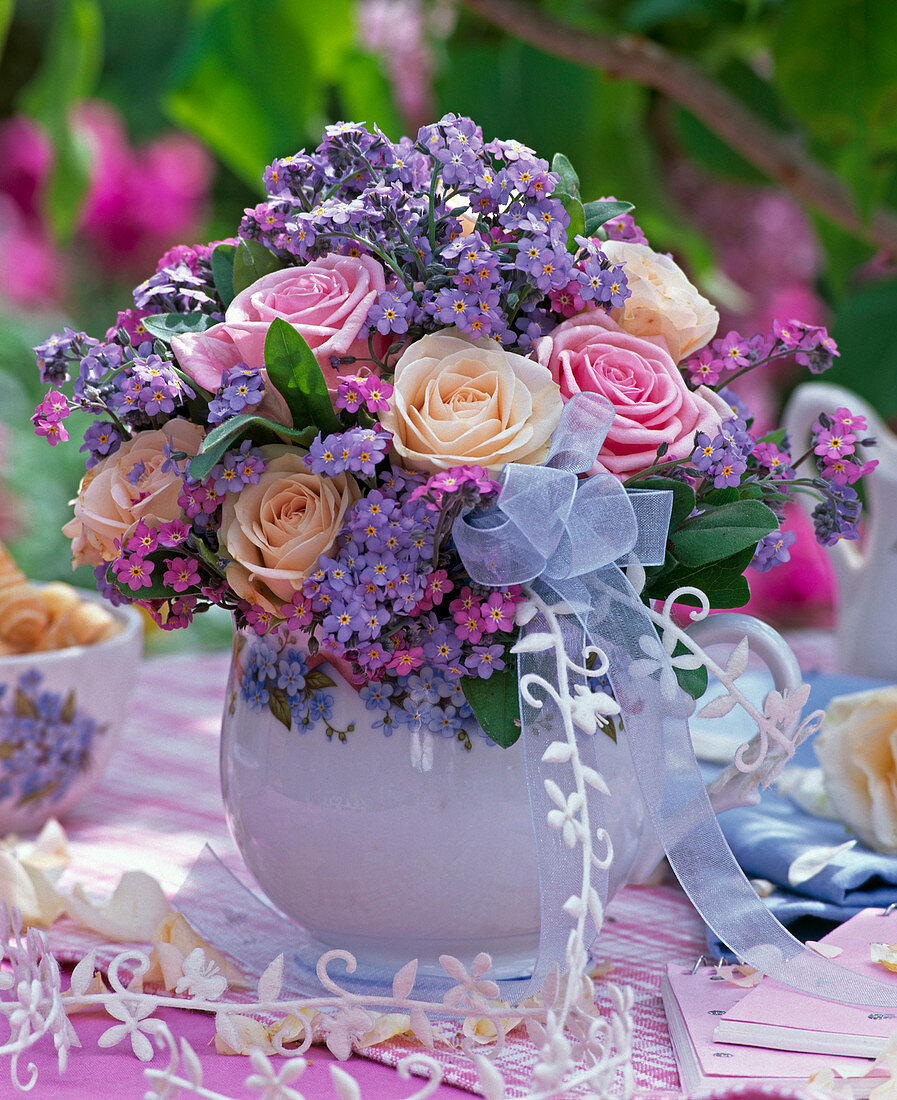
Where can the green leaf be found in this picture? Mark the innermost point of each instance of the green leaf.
(223, 272)
(722, 531)
(643, 15)
(24, 706)
(279, 705)
(691, 680)
(258, 80)
(852, 118)
(722, 582)
(577, 225)
(230, 432)
(728, 494)
(251, 261)
(67, 75)
(155, 590)
(865, 328)
(68, 707)
(495, 703)
(568, 181)
(316, 680)
(66, 186)
(294, 372)
(71, 63)
(7, 8)
(166, 325)
(683, 495)
(600, 211)
(776, 437)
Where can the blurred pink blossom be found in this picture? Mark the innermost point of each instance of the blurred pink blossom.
(802, 592)
(25, 158)
(401, 32)
(140, 201)
(32, 274)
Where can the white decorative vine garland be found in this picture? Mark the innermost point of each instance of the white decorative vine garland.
(578, 1048)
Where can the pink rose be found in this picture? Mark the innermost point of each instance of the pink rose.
(590, 353)
(326, 300)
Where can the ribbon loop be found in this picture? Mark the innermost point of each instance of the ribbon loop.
(548, 522)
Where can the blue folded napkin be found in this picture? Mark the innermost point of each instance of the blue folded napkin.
(767, 838)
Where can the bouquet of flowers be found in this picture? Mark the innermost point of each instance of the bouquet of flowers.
(289, 423)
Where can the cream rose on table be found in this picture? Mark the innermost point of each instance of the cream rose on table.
(590, 353)
(135, 483)
(276, 529)
(326, 301)
(662, 302)
(462, 402)
(857, 749)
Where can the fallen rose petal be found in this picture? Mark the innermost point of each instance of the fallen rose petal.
(827, 1082)
(173, 940)
(741, 975)
(253, 1034)
(387, 1026)
(814, 860)
(483, 1029)
(132, 913)
(827, 950)
(884, 954)
(30, 890)
(75, 1004)
(49, 851)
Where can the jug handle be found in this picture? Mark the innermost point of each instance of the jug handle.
(733, 787)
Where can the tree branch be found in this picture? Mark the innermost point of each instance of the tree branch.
(779, 156)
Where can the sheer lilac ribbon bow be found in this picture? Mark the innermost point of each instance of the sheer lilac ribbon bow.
(565, 536)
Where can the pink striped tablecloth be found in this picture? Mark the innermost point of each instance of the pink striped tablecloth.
(159, 803)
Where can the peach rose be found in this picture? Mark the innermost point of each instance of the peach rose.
(276, 530)
(663, 303)
(590, 353)
(456, 402)
(857, 748)
(109, 503)
(325, 300)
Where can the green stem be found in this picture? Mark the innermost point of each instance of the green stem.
(751, 366)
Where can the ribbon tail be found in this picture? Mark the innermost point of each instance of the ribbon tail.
(656, 732)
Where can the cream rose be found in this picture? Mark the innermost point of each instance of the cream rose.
(126, 487)
(663, 303)
(857, 748)
(276, 530)
(458, 402)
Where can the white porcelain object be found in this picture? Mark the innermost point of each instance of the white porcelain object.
(410, 846)
(866, 571)
(60, 715)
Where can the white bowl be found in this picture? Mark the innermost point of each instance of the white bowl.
(60, 716)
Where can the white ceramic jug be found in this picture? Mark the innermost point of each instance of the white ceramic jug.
(866, 570)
